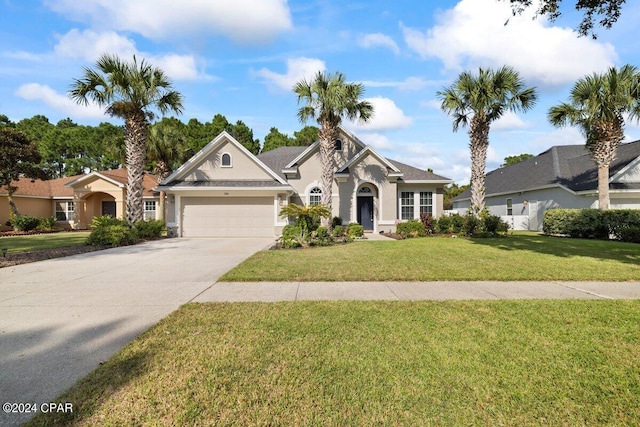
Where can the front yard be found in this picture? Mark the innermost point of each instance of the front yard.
(525, 256)
(373, 363)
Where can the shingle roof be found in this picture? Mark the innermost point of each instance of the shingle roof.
(278, 158)
(567, 165)
(57, 187)
(228, 183)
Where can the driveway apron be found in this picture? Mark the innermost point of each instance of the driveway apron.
(60, 318)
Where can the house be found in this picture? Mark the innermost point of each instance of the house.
(224, 190)
(561, 177)
(75, 200)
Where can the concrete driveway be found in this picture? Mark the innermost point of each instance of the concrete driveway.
(60, 318)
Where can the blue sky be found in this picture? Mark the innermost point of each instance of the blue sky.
(240, 58)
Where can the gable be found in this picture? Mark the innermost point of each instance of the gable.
(210, 167)
(96, 183)
(222, 160)
(630, 174)
(351, 146)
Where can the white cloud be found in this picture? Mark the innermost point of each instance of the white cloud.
(387, 116)
(378, 39)
(508, 121)
(408, 84)
(62, 103)
(377, 141)
(89, 45)
(473, 34)
(297, 70)
(244, 21)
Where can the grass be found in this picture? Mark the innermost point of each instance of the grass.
(43, 241)
(525, 256)
(519, 363)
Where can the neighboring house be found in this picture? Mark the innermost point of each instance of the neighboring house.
(75, 200)
(561, 177)
(224, 190)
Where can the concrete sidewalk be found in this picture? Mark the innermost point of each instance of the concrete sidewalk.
(301, 291)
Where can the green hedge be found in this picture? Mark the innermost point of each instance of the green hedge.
(621, 224)
(411, 228)
(25, 222)
(112, 235)
(151, 229)
(355, 230)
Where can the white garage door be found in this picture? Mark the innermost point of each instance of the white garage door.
(227, 217)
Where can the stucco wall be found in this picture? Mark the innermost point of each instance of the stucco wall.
(242, 167)
(42, 208)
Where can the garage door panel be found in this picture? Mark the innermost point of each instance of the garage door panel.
(227, 217)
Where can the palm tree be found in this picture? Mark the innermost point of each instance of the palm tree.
(129, 90)
(477, 101)
(328, 99)
(597, 105)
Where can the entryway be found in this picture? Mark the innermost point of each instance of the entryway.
(109, 208)
(364, 207)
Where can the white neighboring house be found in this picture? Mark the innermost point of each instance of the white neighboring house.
(564, 176)
(226, 191)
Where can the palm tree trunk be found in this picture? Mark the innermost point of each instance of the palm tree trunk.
(136, 130)
(326, 136)
(478, 145)
(603, 186)
(162, 171)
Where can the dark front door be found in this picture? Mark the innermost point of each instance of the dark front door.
(109, 208)
(365, 212)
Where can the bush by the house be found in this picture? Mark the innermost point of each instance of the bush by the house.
(355, 230)
(411, 228)
(428, 222)
(291, 235)
(47, 224)
(592, 223)
(149, 229)
(338, 231)
(25, 222)
(449, 224)
(473, 226)
(321, 236)
(629, 234)
(494, 225)
(106, 220)
(112, 235)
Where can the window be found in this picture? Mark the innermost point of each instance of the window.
(338, 145)
(365, 190)
(426, 202)
(315, 196)
(64, 211)
(149, 210)
(406, 205)
(226, 160)
(509, 206)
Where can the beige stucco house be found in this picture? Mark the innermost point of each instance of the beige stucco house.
(226, 191)
(75, 200)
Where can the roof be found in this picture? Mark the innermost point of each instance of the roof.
(228, 183)
(55, 188)
(570, 166)
(277, 159)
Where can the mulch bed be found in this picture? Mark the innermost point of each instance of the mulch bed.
(16, 258)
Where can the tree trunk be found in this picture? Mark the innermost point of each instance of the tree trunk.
(603, 187)
(327, 136)
(13, 209)
(478, 145)
(136, 130)
(162, 171)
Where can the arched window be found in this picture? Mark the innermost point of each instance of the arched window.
(226, 160)
(338, 145)
(315, 196)
(365, 191)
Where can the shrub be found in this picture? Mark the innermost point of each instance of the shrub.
(618, 221)
(336, 221)
(338, 231)
(291, 236)
(106, 220)
(355, 230)
(151, 229)
(47, 224)
(322, 236)
(457, 223)
(443, 225)
(558, 221)
(493, 225)
(112, 235)
(411, 228)
(428, 222)
(629, 234)
(584, 223)
(25, 222)
(473, 226)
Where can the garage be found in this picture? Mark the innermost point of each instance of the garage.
(227, 217)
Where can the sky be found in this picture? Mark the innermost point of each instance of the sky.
(241, 59)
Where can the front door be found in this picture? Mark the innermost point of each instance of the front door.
(365, 212)
(109, 208)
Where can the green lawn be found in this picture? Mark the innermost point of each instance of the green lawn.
(43, 241)
(525, 256)
(519, 363)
